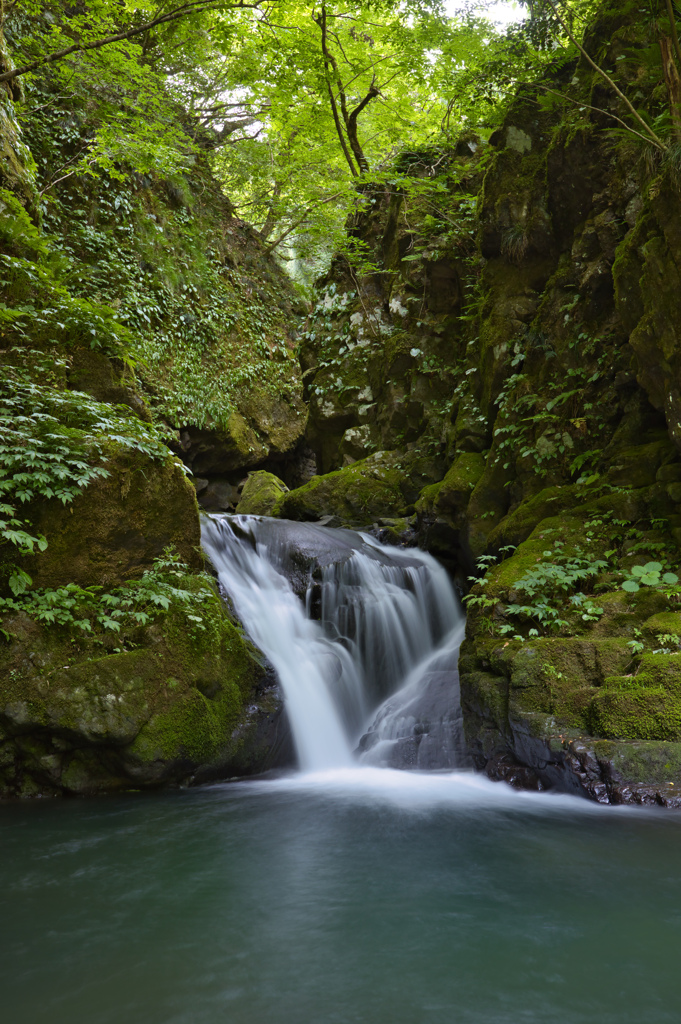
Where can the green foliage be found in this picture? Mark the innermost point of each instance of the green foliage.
(168, 583)
(669, 643)
(649, 575)
(53, 443)
(543, 429)
(40, 310)
(557, 592)
(548, 589)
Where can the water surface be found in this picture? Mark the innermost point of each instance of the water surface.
(354, 896)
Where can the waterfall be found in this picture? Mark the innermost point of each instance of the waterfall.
(346, 622)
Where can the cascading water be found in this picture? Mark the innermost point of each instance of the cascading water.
(346, 622)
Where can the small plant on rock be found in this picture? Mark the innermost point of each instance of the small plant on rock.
(649, 575)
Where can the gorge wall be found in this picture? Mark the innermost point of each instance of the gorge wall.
(498, 381)
(502, 385)
(147, 357)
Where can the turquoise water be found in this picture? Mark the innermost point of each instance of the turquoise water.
(358, 896)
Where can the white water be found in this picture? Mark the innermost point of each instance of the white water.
(381, 615)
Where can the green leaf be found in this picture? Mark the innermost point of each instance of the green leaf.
(19, 582)
(630, 586)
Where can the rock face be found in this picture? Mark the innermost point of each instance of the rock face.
(421, 726)
(183, 706)
(120, 666)
(551, 410)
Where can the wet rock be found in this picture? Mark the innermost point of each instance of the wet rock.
(261, 493)
(421, 726)
(219, 496)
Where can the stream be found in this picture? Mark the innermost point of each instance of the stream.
(355, 895)
(347, 891)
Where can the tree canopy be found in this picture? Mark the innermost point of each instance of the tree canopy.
(298, 103)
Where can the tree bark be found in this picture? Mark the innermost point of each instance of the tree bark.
(330, 63)
(673, 83)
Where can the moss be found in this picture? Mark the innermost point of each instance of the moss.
(637, 712)
(548, 503)
(455, 490)
(156, 713)
(383, 485)
(194, 729)
(17, 166)
(619, 615)
(487, 506)
(425, 504)
(637, 467)
(648, 763)
(660, 670)
(261, 493)
(280, 419)
(570, 531)
(115, 528)
(556, 676)
(18, 233)
(662, 623)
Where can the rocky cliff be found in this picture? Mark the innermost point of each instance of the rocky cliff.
(503, 384)
(498, 381)
(147, 357)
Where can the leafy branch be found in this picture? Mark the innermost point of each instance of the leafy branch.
(194, 7)
(649, 133)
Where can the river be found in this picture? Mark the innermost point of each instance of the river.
(348, 892)
(358, 895)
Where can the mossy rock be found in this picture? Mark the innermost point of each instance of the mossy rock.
(17, 166)
(384, 485)
(455, 490)
(95, 373)
(663, 623)
(213, 452)
(548, 503)
(557, 676)
(180, 704)
(637, 467)
(425, 503)
(116, 526)
(502, 577)
(643, 763)
(488, 505)
(261, 493)
(635, 711)
(277, 419)
(660, 670)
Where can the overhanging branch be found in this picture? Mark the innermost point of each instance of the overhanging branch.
(193, 7)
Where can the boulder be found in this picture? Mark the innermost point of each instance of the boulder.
(174, 702)
(261, 493)
(384, 485)
(117, 525)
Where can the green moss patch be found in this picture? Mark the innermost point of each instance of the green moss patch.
(261, 493)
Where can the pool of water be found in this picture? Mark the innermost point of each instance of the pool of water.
(355, 896)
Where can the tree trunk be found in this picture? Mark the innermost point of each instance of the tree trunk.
(673, 83)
